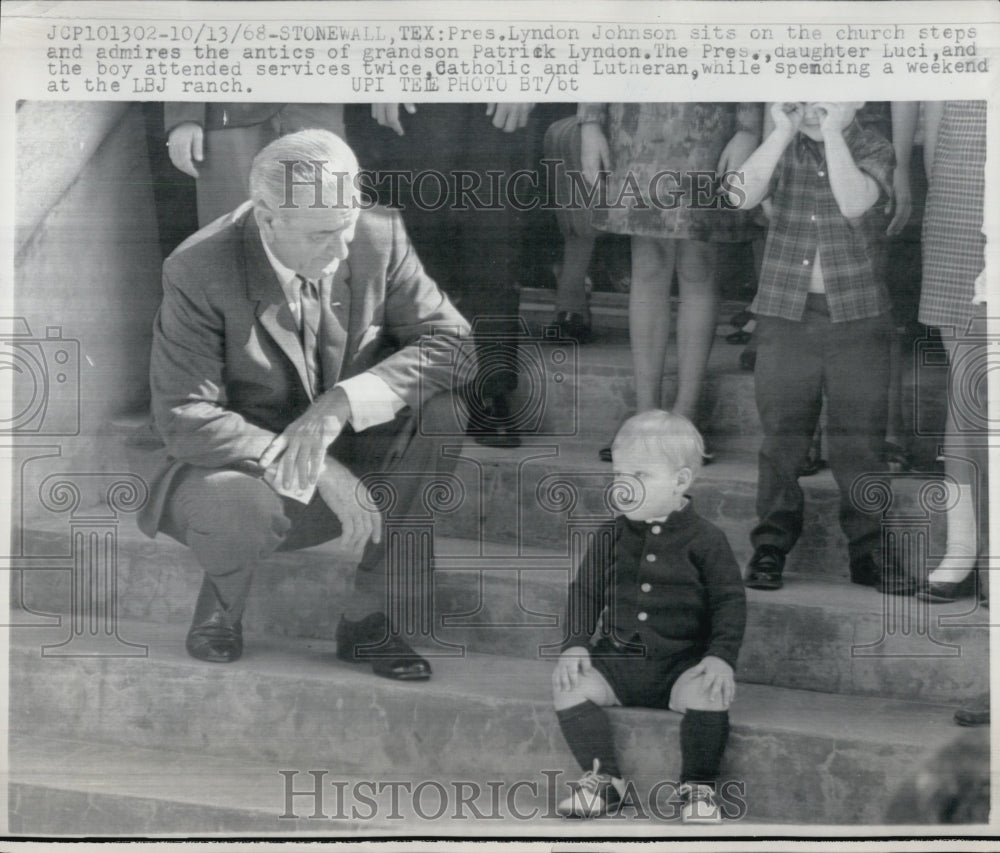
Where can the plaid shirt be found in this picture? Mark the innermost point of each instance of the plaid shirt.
(806, 218)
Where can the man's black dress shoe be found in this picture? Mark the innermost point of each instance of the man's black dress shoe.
(944, 592)
(765, 568)
(894, 580)
(368, 641)
(211, 637)
(811, 467)
(491, 427)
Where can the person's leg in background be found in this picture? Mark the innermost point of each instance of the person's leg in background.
(696, 317)
(966, 465)
(491, 245)
(296, 117)
(649, 313)
(856, 380)
(471, 254)
(174, 192)
(572, 315)
(788, 385)
(224, 173)
(902, 276)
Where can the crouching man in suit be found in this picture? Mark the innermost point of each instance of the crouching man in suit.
(299, 345)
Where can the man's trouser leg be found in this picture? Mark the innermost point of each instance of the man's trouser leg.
(231, 520)
(409, 453)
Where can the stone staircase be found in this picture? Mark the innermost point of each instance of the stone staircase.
(114, 730)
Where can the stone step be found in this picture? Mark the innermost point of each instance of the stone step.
(65, 787)
(292, 706)
(532, 494)
(609, 311)
(488, 598)
(587, 390)
(61, 787)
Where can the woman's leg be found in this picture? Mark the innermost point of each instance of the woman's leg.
(649, 315)
(571, 292)
(961, 453)
(696, 320)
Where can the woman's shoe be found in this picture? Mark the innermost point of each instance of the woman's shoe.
(944, 592)
(897, 459)
(739, 338)
(575, 325)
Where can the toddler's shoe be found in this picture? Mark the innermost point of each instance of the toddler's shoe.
(593, 794)
(698, 804)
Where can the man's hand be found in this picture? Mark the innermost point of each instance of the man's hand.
(720, 683)
(387, 115)
(595, 155)
(509, 117)
(338, 488)
(302, 446)
(186, 145)
(787, 116)
(572, 664)
(901, 204)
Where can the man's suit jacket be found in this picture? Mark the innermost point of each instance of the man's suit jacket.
(227, 371)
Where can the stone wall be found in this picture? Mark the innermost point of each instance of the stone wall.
(87, 258)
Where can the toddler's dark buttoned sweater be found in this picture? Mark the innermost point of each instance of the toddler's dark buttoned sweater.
(674, 586)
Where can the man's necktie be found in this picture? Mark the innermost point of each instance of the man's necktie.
(310, 316)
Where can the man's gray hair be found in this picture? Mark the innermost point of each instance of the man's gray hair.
(287, 173)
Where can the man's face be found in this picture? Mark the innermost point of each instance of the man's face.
(310, 241)
(647, 487)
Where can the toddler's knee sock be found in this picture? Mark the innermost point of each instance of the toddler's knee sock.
(587, 730)
(703, 740)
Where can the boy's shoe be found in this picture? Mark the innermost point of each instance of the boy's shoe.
(765, 568)
(698, 804)
(593, 794)
(889, 580)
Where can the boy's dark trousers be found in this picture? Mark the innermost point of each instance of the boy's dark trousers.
(797, 361)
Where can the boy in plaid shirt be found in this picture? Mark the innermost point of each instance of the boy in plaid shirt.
(823, 326)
